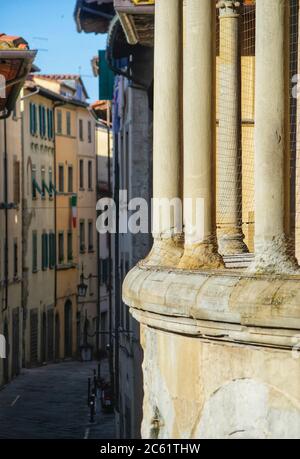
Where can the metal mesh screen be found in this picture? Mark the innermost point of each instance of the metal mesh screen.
(235, 126)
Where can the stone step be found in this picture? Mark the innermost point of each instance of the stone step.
(238, 261)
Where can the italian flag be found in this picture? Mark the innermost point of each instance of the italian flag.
(74, 210)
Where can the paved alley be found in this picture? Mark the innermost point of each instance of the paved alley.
(50, 402)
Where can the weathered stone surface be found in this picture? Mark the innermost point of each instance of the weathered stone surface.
(218, 351)
(201, 389)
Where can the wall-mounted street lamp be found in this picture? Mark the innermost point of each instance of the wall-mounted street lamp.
(82, 287)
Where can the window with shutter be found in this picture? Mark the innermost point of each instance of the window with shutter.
(89, 132)
(46, 251)
(41, 120)
(91, 236)
(70, 246)
(33, 179)
(90, 175)
(59, 122)
(70, 179)
(51, 242)
(82, 236)
(34, 251)
(34, 109)
(31, 121)
(61, 248)
(44, 121)
(45, 256)
(81, 130)
(61, 186)
(16, 259)
(16, 182)
(81, 172)
(68, 123)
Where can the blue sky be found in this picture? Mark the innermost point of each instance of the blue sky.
(49, 27)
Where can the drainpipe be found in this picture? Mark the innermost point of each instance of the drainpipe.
(6, 217)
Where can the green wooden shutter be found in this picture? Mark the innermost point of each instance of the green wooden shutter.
(51, 123)
(106, 78)
(34, 118)
(31, 118)
(40, 121)
(44, 121)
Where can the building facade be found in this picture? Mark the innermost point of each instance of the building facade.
(45, 196)
(38, 224)
(88, 307)
(11, 314)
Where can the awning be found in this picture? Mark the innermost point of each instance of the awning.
(93, 16)
(15, 64)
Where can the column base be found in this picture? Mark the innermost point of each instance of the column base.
(231, 242)
(274, 256)
(166, 252)
(201, 256)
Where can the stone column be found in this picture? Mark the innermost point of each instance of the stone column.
(272, 137)
(229, 186)
(199, 136)
(167, 222)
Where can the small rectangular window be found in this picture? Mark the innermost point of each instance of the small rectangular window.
(16, 182)
(90, 175)
(34, 251)
(16, 261)
(104, 270)
(33, 119)
(89, 132)
(41, 120)
(91, 236)
(68, 120)
(82, 236)
(33, 181)
(70, 179)
(45, 254)
(61, 185)
(70, 246)
(43, 181)
(61, 248)
(50, 123)
(81, 130)
(51, 250)
(59, 122)
(81, 174)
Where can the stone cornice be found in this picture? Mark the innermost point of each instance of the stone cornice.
(231, 306)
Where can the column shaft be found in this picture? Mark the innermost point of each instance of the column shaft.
(167, 248)
(271, 136)
(229, 187)
(199, 136)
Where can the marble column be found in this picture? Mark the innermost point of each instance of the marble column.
(199, 136)
(167, 219)
(272, 252)
(229, 183)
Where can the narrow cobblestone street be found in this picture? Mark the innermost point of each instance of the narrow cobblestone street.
(50, 402)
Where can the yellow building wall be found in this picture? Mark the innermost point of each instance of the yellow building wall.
(67, 272)
(14, 302)
(38, 216)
